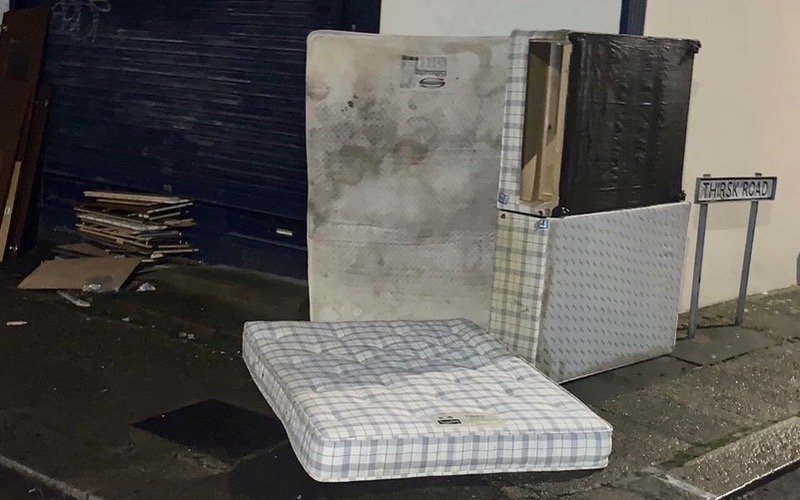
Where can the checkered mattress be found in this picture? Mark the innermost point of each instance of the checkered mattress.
(397, 399)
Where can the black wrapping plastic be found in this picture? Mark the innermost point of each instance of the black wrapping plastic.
(625, 128)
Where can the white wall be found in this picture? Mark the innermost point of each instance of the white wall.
(744, 117)
(3, 5)
(496, 17)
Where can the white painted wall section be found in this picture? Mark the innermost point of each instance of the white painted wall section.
(496, 17)
(744, 117)
(3, 5)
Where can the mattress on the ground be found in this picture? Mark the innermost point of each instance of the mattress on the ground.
(397, 399)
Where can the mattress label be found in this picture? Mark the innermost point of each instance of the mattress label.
(423, 72)
(467, 420)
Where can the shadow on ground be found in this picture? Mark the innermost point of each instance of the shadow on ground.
(279, 475)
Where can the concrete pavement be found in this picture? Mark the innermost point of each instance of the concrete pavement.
(74, 383)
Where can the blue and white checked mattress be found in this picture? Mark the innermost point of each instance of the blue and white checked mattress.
(397, 399)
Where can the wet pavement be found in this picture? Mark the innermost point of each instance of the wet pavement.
(134, 409)
(725, 469)
(15, 487)
(785, 487)
(217, 428)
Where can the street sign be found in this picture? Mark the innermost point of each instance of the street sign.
(714, 189)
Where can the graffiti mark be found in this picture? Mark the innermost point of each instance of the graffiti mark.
(79, 19)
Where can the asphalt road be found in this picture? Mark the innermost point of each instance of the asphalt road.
(782, 488)
(14, 487)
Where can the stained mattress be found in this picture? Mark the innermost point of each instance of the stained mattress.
(396, 399)
(402, 175)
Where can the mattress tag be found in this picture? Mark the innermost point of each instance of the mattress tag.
(466, 420)
(423, 72)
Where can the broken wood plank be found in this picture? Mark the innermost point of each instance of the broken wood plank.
(127, 203)
(29, 172)
(118, 195)
(167, 217)
(143, 236)
(182, 223)
(115, 246)
(543, 134)
(128, 240)
(8, 211)
(86, 249)
(114, 206)
(120, 222)
(169, 208)
(165, 252)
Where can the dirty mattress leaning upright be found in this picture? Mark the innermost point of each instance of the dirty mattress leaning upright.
(397, 399)
(403, 142)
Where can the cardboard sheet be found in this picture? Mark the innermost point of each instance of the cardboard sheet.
(110, 273)
(403, 160)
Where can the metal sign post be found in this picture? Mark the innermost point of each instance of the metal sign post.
(718, 189)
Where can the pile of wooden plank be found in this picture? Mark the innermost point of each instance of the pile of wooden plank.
(150, 225)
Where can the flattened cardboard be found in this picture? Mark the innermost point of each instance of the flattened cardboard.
(74, 274)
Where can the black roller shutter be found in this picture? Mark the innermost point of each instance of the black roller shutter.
(203, 98)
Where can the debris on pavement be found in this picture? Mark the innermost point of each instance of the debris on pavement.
(146, 287)
(91, 274)
(16, 323)
(101, 283)
(126, 319)
(74, 300)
